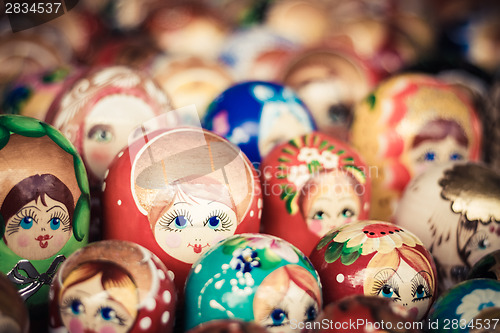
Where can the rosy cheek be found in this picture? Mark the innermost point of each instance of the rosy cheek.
(75, 326)
(23, 241)
(315, 226)
(173, 240)
(347, 220)
(107, 329)
(99, 155)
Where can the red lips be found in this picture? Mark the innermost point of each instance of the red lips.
(43, 240)
(197, 248)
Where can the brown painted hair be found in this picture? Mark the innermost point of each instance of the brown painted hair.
(35, 187)
(438, 130)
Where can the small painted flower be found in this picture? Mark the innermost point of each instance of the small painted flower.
(308, 155)
(244, 260)
(476, 301)
(329, 160)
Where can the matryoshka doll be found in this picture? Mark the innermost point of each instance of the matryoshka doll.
(258, 115)
(253, 277)
(44, 206)
(312, 184)
(178, 192)
(13, 312)
(470, 306)
(32, 95)
(408, 123)
(112, 286)
(191, 80)
(454, 210)
(376, 258)
(323, 78)
(99, 111)
(363, 314)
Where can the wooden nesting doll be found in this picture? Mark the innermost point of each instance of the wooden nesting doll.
(100, 110)
(197, 30)
(253, 277)
(112, 286)
(178, 192)
(324, 78)
(192, 80)
(258, 115)
(44, 206)
(312, 184)
(13, 312)
(408, 123)
(256, 53)
(376, 258)
(455, 210)
(32, 95)
(362, 314)
(470, 306)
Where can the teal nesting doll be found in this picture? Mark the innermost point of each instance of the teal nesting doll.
(255, 278)
(44, 206)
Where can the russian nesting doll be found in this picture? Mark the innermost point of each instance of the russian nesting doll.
(44, 206)
(312, 184)
(470, 306)
(376, 258)
(408, 123)
(323, 78)
(460, 223)
(178, 192)
(112, 286)
(14, 316)
(101, 109)
(258, 115)
(362, 314)
(253, 277)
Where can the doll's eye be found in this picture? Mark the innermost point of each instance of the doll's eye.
(109, 314)
(456, 157)
(218, 221)
(387, 291)
(430, 156)
(180, 221)
(420, 288)
(319, 215)
(278, 316)
(101, 133)
(347, 212)
(55, 223)
(311, 313)
(26, 222)
(77, 307)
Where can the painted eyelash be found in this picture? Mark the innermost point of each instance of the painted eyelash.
(119, 317)
(417, 281)
(64, 219)
(224, 219)
(66, 304)
(166, 220)
(478, 237)
(385, 280)
(13, 227)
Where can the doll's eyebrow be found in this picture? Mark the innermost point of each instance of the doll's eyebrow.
(182, 202)
(57, 206)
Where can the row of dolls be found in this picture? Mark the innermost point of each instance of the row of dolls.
(180, 191)
(375, 277)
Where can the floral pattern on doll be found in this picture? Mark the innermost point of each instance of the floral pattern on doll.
(317, 156)
(473, 303)
(397, 269)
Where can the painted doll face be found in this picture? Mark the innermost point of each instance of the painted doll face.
(87, 307)
(330, 202)
(485, 240)
(436, 152)
(107, 129)
(405, 286)
(39, 229)
(191, 225)
(281, 300)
